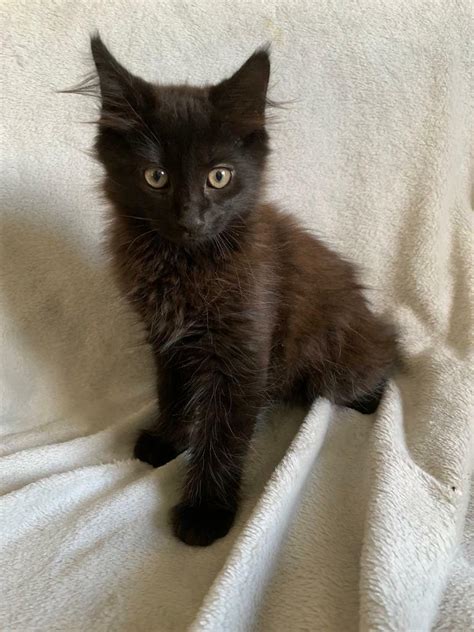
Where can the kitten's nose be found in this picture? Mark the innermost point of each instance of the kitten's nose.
(190, 222)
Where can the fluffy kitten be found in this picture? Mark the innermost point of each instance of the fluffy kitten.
(242, 305)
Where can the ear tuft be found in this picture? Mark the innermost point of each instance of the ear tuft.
(241, 99)
(114, 79)
(123, 94)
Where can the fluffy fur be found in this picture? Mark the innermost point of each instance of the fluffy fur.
(243, 307)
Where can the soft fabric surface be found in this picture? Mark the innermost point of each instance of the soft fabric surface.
(348, 521)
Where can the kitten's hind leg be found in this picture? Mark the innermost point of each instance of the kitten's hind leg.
(368, 404)
(301, 392)
(304, 393)
(360, 359)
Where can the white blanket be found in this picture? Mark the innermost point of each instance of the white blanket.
(348, 521)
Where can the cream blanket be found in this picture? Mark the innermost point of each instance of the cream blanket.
(348, 521)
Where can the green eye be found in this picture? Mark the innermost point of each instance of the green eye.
(219, 178)
(156, 177)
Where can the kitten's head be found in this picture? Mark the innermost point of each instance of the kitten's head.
(189, 160)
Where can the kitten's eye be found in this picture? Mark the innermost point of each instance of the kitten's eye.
(219, 178)
(156, 177)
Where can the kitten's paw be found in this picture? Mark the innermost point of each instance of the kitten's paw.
(153, 450)
(201, 525)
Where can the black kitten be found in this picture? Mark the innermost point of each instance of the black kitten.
(241, 304)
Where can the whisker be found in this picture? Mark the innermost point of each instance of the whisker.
(139, 237)
(134, 217)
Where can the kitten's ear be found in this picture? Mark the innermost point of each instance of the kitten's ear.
(241, 99)
(123, 95)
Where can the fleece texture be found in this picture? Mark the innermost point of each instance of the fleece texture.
(348, 522)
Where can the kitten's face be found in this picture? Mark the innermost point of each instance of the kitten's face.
(189, 161)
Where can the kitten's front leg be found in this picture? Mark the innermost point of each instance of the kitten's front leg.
(169, 435)
(226, 406)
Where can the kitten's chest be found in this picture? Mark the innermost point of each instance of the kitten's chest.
(173, 300)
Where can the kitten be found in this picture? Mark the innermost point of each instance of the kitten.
(242, 305)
